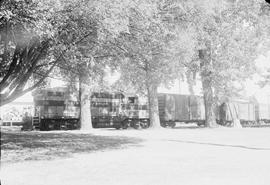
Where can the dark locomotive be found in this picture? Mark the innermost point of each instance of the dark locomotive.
(59, 109)
(115, 110)
(55, 109)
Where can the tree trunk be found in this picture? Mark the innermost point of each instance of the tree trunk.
(190, 82)
(210, 117)
(208, 94)
(85, 103)
(153, 106)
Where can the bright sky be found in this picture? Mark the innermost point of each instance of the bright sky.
(262, 94)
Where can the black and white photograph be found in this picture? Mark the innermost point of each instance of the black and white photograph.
(135, 92)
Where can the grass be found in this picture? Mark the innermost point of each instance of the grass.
(17, 146)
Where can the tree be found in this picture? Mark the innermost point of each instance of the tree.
(229, 35)
(29, 38)
(29, 31)
(265, 21)
(62, 34)
(154, 50)
(21, 50)
(86, 61)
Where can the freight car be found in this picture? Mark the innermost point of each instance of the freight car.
(57, 109)
(262, 113)
(190, 109)
(242, 109)
(180, 108)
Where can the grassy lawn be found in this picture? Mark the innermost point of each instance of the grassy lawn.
(19, 146)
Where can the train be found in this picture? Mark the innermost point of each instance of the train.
(59, 109)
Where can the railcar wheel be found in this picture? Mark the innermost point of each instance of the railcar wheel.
(201, 123)
(172, 124)
(145, 124)
(163, 124)
(136, 125)
(124, 125)
(117, 127)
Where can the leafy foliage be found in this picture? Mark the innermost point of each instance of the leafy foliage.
(232, 32)
(155, 50)
(23, 47)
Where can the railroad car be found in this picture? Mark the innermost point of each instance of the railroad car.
(105, 109)
(262, 113)
(191, 109)
(55, 109)
(180, 108)
(242, 109)
(115, 110)
(134, 110)
(58, 108)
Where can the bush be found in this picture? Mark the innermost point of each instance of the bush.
(27, 123)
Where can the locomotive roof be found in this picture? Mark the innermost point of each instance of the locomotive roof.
(238, 99)
(107, 95)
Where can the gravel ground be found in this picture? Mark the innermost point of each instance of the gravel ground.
(167, 156)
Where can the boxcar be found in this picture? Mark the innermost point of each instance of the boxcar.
(242, 109)
(263, 112)
(180, 108)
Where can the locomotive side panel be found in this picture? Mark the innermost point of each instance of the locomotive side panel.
(56, 108)
(105, 110)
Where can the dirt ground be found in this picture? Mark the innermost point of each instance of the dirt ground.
(156, 157)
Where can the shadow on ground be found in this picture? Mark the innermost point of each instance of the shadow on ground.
(20, 146)
(220, 145)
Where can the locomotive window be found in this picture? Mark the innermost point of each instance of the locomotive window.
(50, 93)
(58, 93)
(131, 99)
(52, 111)
(59, 110)
(144, 107)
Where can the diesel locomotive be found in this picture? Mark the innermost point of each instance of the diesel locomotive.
(59, 109)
